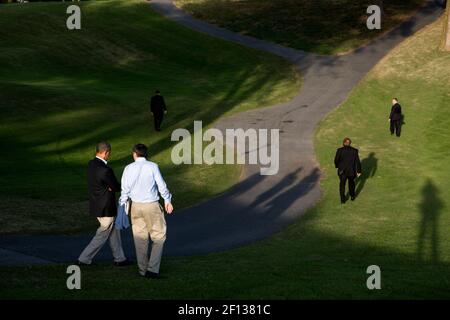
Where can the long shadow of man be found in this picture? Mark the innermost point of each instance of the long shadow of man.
(283, 201)
(285, 183)
(430, 208)
(369, 167)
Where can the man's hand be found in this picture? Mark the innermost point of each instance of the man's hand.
(165, 111)
(358, 174)
(152, 114)
(169, 208)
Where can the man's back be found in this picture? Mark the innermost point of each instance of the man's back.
(142, 181)
(102, 184)
(396, 112)
(157, 104)
(347, 161)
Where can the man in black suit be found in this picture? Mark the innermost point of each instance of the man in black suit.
(396, 118)
(102, 186)
(349, 167)
(158, 109)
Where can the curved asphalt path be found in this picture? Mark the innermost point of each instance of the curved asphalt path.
(258, 206)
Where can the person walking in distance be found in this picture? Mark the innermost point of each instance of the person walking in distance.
(103, 185)
(158, 109)
(142, 183)
(349, 167)
(395, 118)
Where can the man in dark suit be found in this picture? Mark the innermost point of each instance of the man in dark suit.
(349, 167)
(102, 186)
(158, 109)
(396, 118)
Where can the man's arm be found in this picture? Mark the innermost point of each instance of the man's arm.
(110, 180)
(163, 190)
(162, 186)
(337, 158)
(126, 188)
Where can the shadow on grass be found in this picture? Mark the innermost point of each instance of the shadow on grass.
(369, 167)
(301, 263)
(103, 117)
(430, 209)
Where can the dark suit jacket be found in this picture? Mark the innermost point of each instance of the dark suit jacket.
(157, 105)
(101, 178)
(396, 112)
(347, 161)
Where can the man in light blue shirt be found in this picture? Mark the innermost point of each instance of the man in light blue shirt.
(142, 183)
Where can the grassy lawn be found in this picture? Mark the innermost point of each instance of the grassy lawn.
(321, 26)
(399, 222)
(61, 91)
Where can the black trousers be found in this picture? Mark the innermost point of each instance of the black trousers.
(351, 186)
(158, 118)
(396, 127)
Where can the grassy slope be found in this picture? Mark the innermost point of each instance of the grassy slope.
(61, 91)
(325, 254)
(321, 26)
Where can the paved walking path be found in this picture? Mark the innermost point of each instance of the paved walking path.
(258, 206)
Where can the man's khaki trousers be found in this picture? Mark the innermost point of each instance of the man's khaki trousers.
(104, 232)
(147, 219)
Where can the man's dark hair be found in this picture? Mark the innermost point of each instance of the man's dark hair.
(141, 150)
(157, 91)
(395, 99)
(347, 142)
(102, 146)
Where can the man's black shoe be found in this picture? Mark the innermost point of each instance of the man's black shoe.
(343, 201)
(152, 275)
(82, 264)
(353, 198)
(123, 263)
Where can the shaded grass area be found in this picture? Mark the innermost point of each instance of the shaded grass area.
(322, 26)
(399, 222)
(62, 91)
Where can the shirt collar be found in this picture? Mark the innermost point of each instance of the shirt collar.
(104, 161)
(140, 159)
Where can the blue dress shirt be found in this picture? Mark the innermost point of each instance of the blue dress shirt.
(141, 182)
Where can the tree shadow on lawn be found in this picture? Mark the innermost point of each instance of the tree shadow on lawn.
(228, 85)
(49, 150)
(302, 27)
(45, 163)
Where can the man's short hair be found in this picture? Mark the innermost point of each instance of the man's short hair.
(157, 91)
(347, 141)
(102, 146)
(395, 99)
(141, 150)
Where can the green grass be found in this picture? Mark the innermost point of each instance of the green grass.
(404, 204)
(321, 26)
(61, 91)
